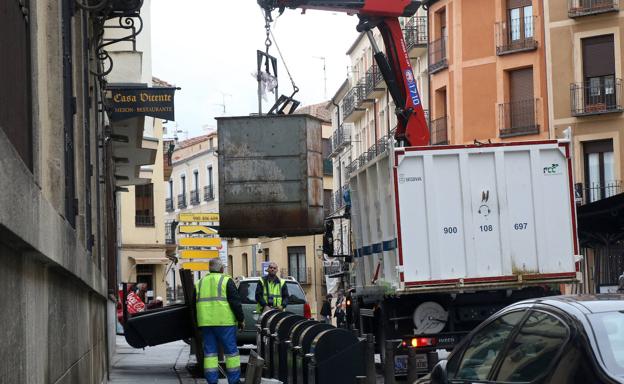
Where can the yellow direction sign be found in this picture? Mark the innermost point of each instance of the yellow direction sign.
(195, 266)
(200, 242)
(198, 217)
(197, 254)
(196, 228)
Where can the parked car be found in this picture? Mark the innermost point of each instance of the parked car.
(560, 339)
(297, 304)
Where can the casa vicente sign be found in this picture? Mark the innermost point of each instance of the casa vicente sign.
(128, 102)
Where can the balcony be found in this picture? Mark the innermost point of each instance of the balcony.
(415, 32)
(518, 118)
(437, 55)
(302, 275)
(328, 167)
(599, 96)
(194, 197)
(596, 191)
(439, 131)
(182, 201)
(144, 221)
(352, 102)
(579, 8)
(209, 193)
(169, 204)
(373, 82)
(338, 199)
(170, 232)
(341, 138)
(516, 35)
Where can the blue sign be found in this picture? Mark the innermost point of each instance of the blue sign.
(411, 85)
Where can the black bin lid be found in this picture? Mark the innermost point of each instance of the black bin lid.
(272, 323)
(331, 342)
(264, 318)
(297, 330)
(310, 333)
(285, 325)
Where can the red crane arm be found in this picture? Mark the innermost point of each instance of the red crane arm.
(394, 65)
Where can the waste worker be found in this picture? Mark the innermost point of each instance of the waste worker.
(272, 291)
(219, 311)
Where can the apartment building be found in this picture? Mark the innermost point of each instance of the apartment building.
(363, 120)
(487, 67)
(65, 160)
(584, 41)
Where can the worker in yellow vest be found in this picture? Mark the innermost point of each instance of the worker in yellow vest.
(272, 291)
(219, 311)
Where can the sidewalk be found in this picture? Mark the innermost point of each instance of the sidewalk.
(163, 364)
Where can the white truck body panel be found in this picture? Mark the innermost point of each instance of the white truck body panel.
(432, 218)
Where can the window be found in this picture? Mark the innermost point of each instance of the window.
(327, 201)
(265, 252)
(520, 20)
(15, 77)
(230, 265)
(519, 116)
(196, 179)
(170, 188)
(211, 143)
(599, 170)
(144, 205)
(599, 72)
(533, 349)
(297, 264)
(183, 184)
(209, 188)
(480, 353)
(245, 269)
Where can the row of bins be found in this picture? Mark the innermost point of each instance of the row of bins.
(297, 350)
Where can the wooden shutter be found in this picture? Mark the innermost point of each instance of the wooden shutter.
(518, 3)
(521, 85)
(15, 75)
(598, 56)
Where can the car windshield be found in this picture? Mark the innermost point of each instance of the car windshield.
(247, 292)
(609, 329)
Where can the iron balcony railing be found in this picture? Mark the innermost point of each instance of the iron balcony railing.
(518, 118)
(209, 193)
(438, 129)
(598, 96)
(341, 138)
(586, 194)
(415, 32)
(516, 35)
(353, 99)
(578, 8)
(372, 79)
(437, 55)
(144, 221)
(338, 199)
(169, 204)
(182, 201)
(302, 275)
(194, 197)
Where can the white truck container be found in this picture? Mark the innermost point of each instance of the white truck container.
(445, 236)
(466, 216)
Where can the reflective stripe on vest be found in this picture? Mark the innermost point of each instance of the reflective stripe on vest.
(274, 291)
(212, 306)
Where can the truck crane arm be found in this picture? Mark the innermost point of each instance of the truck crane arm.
(394, 65)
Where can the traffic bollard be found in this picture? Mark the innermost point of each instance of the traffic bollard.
(389, 362)
(412, 371)
(370, 359)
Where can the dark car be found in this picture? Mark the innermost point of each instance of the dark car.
(561, 339)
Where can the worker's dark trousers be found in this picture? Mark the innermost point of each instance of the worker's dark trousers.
(226, 336)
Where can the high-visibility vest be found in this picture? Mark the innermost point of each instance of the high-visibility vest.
(212, 306)
(274, 290)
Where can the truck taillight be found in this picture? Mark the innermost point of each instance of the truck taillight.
(417, 342)
(307, 312)
(348, 302)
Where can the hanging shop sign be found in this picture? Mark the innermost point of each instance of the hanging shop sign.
(127, 102)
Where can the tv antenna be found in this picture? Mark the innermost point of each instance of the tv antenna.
(324, 59)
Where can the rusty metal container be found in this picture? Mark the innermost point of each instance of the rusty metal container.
(270, 176)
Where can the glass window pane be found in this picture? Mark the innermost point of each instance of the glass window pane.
(593, 167)
(247, 292)
(528, 21)
(514, 24)
(484, 347)
(609, 85)
(609, 328)
(533, 349)
(609, 176)
(594, 86)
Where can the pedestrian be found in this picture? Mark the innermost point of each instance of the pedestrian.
(272, 291)
(142, 291)
(326, 309)
(340, 312)
(621, 284)
(219, 310)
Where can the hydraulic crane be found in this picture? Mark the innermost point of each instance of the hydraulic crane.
(394, 65)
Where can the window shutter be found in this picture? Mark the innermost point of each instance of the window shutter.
(598, 56)
(518, 3)
(521, 84)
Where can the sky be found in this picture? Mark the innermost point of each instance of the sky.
(208, 48)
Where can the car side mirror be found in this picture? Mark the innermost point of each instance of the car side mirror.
(439, 373)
